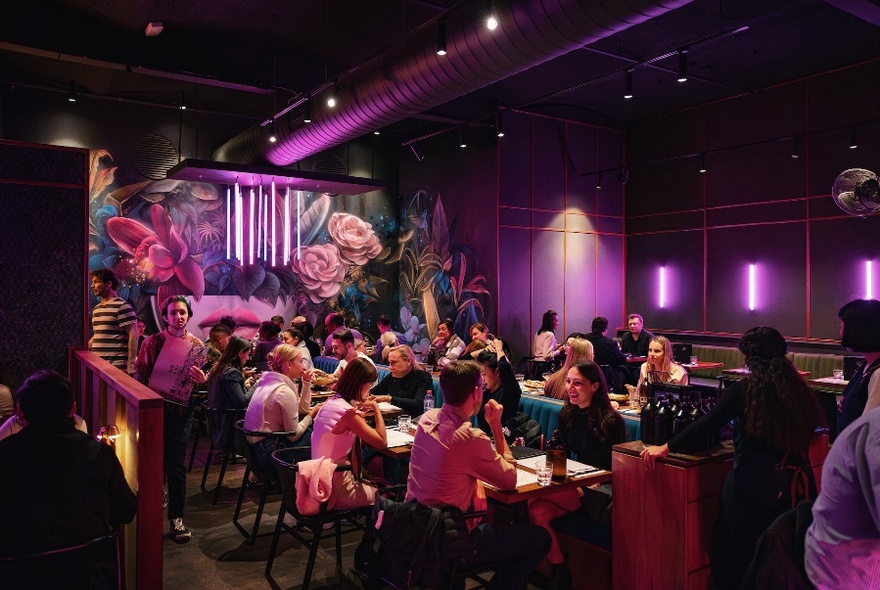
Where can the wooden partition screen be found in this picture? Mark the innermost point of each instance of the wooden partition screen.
(107, 395)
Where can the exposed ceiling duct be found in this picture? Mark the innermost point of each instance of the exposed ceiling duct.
(411, 78)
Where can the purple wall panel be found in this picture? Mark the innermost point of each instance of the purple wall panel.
(758, 213)
(654, 139)
(515, 290)
(662, 187)
(755, 174)
(840, 248)
(830, 155)
(577, 222)
(548, 219)
(610, 225)
(580, 283)
(580, 160)
(515, 151)
(516, 217)
(610, 198)
(548, 276)
(676, 221)
(842, 98)
(609, 279)
(548, 174)
(779, 253)
(769, 114)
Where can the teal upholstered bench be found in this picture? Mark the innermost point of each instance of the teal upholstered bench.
(545, 411)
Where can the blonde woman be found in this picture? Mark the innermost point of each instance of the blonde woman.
(579, 350)
(659, 366)
(388, 341)
(277, 402)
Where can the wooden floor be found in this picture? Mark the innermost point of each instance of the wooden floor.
(218, 558)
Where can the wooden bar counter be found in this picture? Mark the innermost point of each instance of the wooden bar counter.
(663, 522)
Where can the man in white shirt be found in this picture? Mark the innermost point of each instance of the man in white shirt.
(343, 348)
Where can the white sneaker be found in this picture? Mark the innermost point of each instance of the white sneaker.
(179, 533)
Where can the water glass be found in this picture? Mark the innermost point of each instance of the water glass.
(544, 471)
(694, 360)
(404, 422)
(838, 374)
(520, 377)
(429, 368)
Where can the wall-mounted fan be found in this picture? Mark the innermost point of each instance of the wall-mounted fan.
(857, 192)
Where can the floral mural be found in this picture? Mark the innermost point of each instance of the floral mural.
(167, 237)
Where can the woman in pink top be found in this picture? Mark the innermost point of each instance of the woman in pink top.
(339, 422)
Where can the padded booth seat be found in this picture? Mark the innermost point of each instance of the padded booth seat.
(545, 411)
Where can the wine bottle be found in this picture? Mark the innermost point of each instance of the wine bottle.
(556, 456)
(647, 417)
(663, 422)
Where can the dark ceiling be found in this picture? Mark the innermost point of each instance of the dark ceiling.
(253, 57)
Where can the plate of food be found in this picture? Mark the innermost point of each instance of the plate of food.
(320, 378)
(532, 384)
(618, 397)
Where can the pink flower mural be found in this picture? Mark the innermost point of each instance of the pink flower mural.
(320, 270)
(355, 238)
(160, 251)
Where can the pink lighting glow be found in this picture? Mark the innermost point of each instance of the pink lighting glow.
(273, 224)
(251, 228)
(228, 223)
(869, 279)
(752, 287)
(298, 216)
(287, 225)
(662, 286)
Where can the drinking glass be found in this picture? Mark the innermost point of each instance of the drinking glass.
(694, 360)
(404, 421)
(544, 471)
(838, 374)
(520, 377)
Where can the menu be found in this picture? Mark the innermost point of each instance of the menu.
(170, 376)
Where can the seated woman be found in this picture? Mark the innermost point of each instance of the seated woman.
(226, 388)
(449, 346)
(338, 425)
(660, 366)
(589, 427)
(480, 338)
(277, 402)
(387, 341)
(499, 383)
(268, 340)
(579, 350)
(296, 338)
(860, 333)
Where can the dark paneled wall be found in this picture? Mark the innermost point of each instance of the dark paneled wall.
(756, 204)
(42, 253)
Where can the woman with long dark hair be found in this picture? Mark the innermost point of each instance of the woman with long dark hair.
(578, 350)
(226, 388)
(499, 383)
(449, 346)
(544, 347)
(775, 416)
(860, 333)
(340, 423)
(590, 427)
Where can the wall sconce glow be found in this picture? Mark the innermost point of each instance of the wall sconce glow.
(869, 279)
(662, 286)
(239, 224)
(273, 224)
(752, 286)
(251, 228)
(287, 226)
(228, 222)
(298, 215)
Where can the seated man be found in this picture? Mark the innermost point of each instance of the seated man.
(61, 487)
(450, 458)
(607, 352)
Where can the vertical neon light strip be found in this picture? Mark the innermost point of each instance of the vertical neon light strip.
(251, 228)
(752, 286)
(662, 286)
(228, 222)
(869, 279)
(239, 224)
(298, 215)
(287, 225)
(265, 226)
(272, 204)
(260, 229)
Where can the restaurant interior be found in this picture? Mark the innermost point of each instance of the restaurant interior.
(671, 158)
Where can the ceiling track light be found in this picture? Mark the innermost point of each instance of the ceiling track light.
(272, 137)
(796, 147)
(441, 37)
(599, 181)
(499, 125)
(682, 66)
(307, 116)
(182, 103)
(334, 93)
(703, 168)
(853, 138)
(491, 16)
(462, 138)
(73, 93)
(416, 152)
(628, 91)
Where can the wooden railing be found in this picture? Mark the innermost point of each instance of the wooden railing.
(106, 395)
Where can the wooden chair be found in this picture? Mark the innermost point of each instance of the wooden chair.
(93, 565)
(216, 420)
(265, 485)
(286, 464)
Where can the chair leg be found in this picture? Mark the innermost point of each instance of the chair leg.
(338, 530)
(207, 466)
(260, 507)
(275, 537)
(192, 454)
(244, 483)
(313, 553)
(223, 465)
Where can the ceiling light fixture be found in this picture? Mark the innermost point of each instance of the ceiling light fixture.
(599, 181)
(853, 138)
(307, 117)
(272, 136)
(795, 147)
(491, 18)
(462, 138)
(182, 103)
(682, 66)
(416, 152)
(628, 92)
(334, 92)
(441, 37)
(499, 125)
(73, 94)
(703, 168)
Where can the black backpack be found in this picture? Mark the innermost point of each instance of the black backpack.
(523, 426)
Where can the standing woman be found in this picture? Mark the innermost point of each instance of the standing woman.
(226, 388)
(449, 346)
(579, 350)
(860, 333)
(660, 365)
(338, 425)
(544, 347)
(590, 427)
(775, 416)
(499, 383)
(277, 402)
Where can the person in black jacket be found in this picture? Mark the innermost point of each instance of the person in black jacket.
(499, 383)
(607, 352)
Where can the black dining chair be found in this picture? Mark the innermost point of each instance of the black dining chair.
(93, 565)
(200, 424)
(220, 419)
(264, 483)
(309, 527)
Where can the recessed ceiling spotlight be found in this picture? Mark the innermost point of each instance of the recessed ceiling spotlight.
(153, 29)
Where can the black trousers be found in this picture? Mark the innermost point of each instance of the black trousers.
(177, 428)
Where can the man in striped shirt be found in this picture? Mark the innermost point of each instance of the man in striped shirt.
(114, 323)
